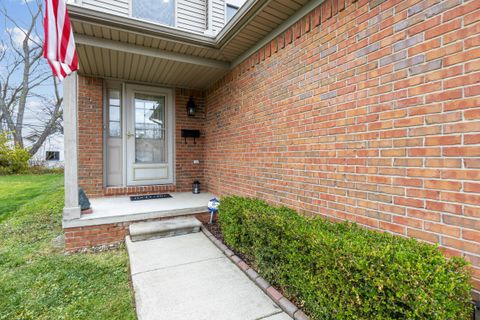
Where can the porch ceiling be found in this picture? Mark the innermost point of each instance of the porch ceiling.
(120, 47)
(144, 67)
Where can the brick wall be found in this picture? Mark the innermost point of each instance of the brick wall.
(185, 153)
(90, 135)
(364, 110)
(90, 140)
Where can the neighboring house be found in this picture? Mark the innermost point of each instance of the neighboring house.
(367, 111)
(50, 154)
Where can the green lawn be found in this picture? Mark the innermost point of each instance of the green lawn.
(37, 280)
(17, 190)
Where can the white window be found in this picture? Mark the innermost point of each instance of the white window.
(231, 10)
(158, 11)
(52, 156)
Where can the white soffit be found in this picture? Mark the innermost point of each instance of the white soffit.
(126, 48)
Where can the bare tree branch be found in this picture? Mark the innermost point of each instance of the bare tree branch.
(51, 124)
(24, 72)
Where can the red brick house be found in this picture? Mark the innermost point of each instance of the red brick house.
(367, 111)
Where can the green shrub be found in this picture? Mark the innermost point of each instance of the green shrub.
(342, 271)
(12, 159)
(36, 169)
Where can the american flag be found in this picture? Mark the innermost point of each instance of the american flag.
(59, 47)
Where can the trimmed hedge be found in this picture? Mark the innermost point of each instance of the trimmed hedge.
(342, 271)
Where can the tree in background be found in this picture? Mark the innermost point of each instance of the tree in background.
(27, 85)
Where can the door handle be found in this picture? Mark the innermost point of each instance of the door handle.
(129, 134)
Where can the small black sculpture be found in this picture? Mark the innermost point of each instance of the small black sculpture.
(83, 200)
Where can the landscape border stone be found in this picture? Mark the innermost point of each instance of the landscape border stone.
(285, 304)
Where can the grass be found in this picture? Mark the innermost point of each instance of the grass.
(17, 190)
(37, 280)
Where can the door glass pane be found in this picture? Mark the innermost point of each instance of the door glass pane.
(114, 113)
(114, 129)
(150, 140)
(160, 11)
(114, 97)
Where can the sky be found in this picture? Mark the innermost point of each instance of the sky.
(18, 10)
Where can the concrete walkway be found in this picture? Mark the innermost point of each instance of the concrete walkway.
(188, 277)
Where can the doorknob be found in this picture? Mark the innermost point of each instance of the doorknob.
(129, 134)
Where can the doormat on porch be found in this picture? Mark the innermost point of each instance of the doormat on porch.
(150, 196)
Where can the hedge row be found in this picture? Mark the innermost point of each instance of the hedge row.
(342, 271)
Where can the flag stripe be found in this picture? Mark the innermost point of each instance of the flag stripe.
(59, 45)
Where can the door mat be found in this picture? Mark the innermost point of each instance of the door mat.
(150, 197)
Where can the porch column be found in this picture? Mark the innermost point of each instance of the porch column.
(72, 209)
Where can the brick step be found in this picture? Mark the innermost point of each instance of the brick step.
(163, 228)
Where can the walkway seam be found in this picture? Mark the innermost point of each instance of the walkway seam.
(269, 315)
(178, 265)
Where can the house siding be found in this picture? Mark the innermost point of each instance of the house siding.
(367, 111)
(191, 15)
(118, 7)
(90, 143)
(218, 15)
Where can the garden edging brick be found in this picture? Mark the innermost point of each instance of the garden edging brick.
(284, 303)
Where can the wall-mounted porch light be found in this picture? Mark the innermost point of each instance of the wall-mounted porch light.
(191, 106)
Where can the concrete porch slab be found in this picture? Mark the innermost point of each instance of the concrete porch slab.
(121, 209)
(192, 279)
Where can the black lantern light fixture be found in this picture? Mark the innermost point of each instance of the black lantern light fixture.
(196, 187)
(191, 106)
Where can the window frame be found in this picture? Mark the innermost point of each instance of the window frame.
(112, 84)
(56, 156)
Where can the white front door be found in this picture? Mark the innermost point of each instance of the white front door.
(149, 134)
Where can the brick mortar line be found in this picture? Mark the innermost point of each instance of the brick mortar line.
(283, 303)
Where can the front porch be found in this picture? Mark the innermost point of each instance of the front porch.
(120, 209)
(109, 223)
(123, 128)
(123, 136)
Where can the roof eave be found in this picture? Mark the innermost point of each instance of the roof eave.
(246, 13)
(138, 26)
